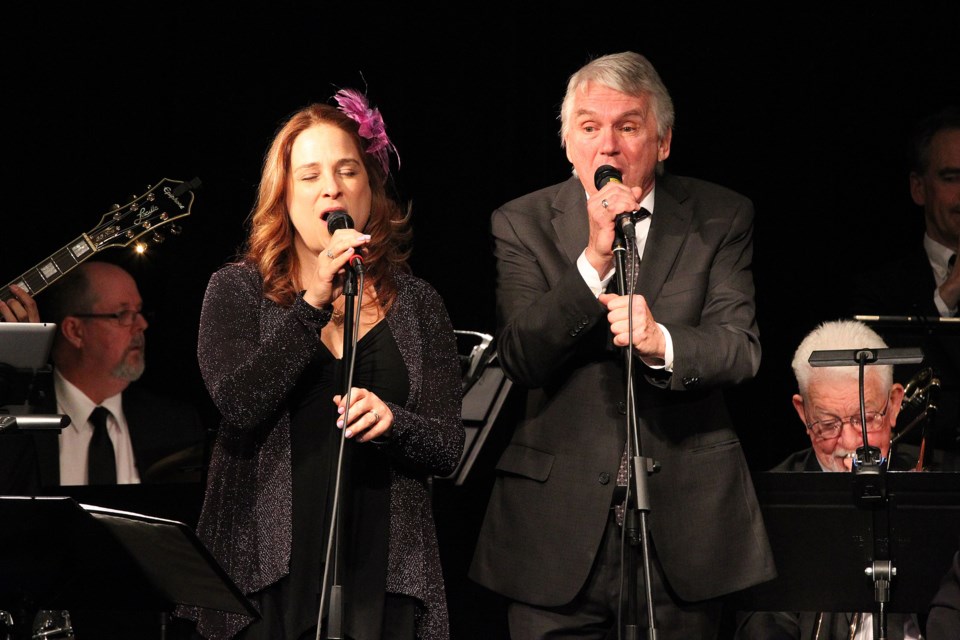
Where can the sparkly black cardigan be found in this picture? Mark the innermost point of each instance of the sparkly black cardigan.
(251, 353)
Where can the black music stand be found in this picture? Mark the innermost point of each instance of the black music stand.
(855, 530)
(822, 541)
(58, 554)
(481, 406)
(485, 389)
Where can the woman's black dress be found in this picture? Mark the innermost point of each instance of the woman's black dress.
(289, 608)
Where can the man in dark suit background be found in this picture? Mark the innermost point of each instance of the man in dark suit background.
(921, 282)
(98, 354)
(551, 538)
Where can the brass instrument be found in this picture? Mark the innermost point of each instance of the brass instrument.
(919, 407)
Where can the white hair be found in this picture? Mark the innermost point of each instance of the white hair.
(839, 335)
(627, 72)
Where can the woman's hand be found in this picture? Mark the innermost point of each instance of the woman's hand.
(327, 284)
(369, 416)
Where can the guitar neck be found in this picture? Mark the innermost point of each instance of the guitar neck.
(143, 216)
(52, 269)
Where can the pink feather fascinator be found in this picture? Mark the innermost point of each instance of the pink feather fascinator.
(354, 104)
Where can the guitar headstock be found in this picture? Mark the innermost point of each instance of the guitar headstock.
(160, 205)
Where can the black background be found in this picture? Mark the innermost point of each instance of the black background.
(802, 107)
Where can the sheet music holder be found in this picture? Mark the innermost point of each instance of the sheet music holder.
(822, 541)
(481, 406)
(180, 501)
(485, 390)
(935, 323)
(58, 554)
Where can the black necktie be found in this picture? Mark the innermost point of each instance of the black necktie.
(101, 464)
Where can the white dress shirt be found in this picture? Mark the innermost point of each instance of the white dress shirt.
(938, 256)
(75, 437)
(597, 283)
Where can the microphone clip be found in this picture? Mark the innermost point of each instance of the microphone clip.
(624, 224)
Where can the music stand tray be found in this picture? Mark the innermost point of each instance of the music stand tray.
(56, 553)
(823, 542)
(480, 408)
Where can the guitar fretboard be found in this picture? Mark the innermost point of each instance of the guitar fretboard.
(50, 270)
(163, 203)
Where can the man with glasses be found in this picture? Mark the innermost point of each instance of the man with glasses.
(119, 433)
(828, 404)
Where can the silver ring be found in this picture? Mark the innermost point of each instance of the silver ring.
(375, 415)
(330, 254)
(604, 203)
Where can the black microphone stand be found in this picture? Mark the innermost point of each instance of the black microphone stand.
(351, 325)
(637, 503)
(870, 484)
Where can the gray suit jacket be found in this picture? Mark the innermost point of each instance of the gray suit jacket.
(555, 481)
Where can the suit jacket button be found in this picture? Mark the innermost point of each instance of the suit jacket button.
(604, 477)
(622, 408)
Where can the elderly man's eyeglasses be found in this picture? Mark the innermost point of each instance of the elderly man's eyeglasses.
(830, 427)
(124, 318)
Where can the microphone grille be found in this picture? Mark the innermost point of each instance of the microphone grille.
(605, 174)
(339, 219)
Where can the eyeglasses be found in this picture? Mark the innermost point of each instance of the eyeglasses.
(124, 318)
(830, 427)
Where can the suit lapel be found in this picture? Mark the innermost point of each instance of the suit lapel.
(668, 228)
(570, 219)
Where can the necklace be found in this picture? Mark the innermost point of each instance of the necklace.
(336, 315)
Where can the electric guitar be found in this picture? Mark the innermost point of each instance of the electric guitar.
(140, 220)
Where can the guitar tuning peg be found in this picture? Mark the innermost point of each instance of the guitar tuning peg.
(157, 237)
(116, 206)
(175, 229)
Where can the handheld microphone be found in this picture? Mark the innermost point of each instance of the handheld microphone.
(623, 221)
(340, 219)
(605, 174)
